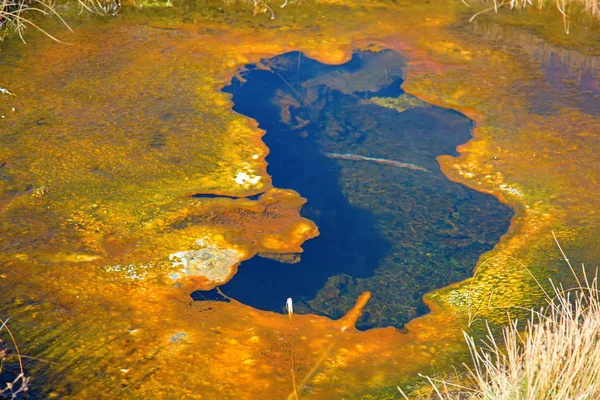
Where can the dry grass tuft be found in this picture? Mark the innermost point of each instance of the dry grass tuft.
(556, 355)
(19, 385)
(591, 7)
(263, 6)
(101, 7)
(16, 16)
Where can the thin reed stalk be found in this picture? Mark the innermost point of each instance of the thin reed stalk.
(289, 305)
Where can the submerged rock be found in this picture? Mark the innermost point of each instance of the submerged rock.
(286, 258)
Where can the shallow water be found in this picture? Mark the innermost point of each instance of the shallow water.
(396, 232)
(571, 78)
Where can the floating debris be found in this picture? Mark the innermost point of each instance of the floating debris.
(402, 103)
(382, 161)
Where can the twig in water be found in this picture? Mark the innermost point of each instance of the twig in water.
(289, 305)
(5, 91)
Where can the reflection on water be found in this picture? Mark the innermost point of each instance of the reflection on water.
(396, 231)
(573, 76)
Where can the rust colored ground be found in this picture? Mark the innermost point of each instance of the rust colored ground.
(110, 136)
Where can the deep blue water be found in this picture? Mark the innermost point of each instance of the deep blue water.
(396, 232)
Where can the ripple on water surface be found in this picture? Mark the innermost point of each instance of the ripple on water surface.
(363, 153)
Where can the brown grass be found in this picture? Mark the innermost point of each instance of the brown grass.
(17, 16)
(101, 7)
(19, 385)
(556, 355)
(591, 7)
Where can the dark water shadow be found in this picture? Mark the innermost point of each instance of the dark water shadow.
(396, 232)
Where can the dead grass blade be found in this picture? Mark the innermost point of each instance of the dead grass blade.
(554, 356)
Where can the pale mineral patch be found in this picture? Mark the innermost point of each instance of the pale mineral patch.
(208, 261)
(511, 189)
(246, 180)
(131, 271)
